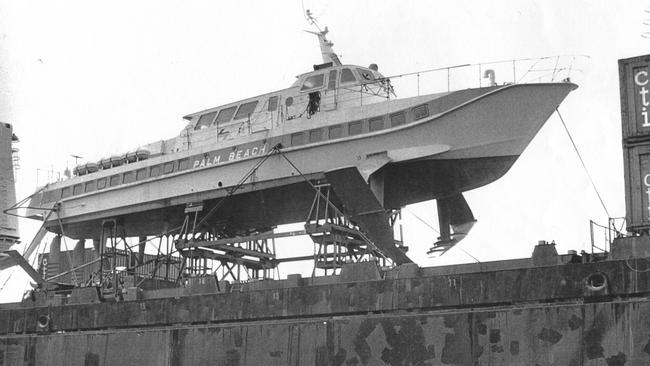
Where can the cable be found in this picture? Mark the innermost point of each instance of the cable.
(421, 220)
(437, 232)
(583, 163)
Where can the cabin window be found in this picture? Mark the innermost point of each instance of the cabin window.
(376, 124)
(273, 103)
(101, 183)
(78, 189)
(49, 196)
(314, 81)
(347, 76)
(65, 192)
(129, 177)
(354, 128)
(297, 139)
(114, 180)
(155, 171)
(289, 101)
(246, 109)
(225, 115)
(397, 119)
(335, 132)
(183, 164)
(168, 168)
(315, 135)
(90, 186)
(420, 111)
(205, 120)
(331, 82)
(141, 174)
(366, 74)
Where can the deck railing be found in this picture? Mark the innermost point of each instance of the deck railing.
(602, 236)
(524, 70)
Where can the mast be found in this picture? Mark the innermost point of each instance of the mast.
(325, 45)
(8, 223)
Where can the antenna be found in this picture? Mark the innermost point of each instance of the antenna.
(76, 159)
(325, 45)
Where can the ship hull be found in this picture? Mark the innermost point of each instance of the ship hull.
(456, 149)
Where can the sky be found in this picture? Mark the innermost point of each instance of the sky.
(94, 79)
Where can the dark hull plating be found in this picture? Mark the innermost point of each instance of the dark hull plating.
(510, 312)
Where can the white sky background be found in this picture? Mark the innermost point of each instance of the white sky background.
(100, 78)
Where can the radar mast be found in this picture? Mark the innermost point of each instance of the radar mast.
(325, 45)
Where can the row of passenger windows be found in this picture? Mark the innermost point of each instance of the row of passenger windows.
(300, 138)
(117, 179)
(244, 110)
(357, 127)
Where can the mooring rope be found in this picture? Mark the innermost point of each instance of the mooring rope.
(584, 166)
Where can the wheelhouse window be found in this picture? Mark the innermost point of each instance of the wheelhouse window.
(205, 120)
(347, 76)
(366, 75)
(331, 81)
(314, 81)
(101, 183)
(225, 115)
(246, 109)
(273, 103)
